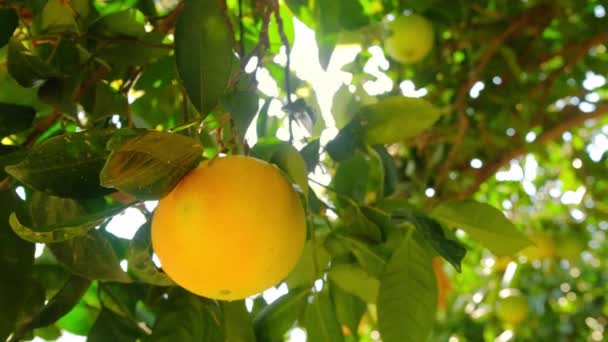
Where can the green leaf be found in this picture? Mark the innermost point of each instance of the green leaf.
(63, 230)
(238, 326)
(321, 322)
(394, 119)
(186, 317)
(90, 256)
(433, 233)
(344, 145)
(262, 122)
(286, 157)
(391, 174)
(243, 105)
(16, 258)
(310, 153)
(67, 165)
(102, 101)
(276, 319)
(8, 24)
(149, 165)
(371, 260)
(483, 223)
(139, 257)
(408, 294)
(351, 178)
(203, 53)
(111, 327)
(80, 319)
(15, 118)
(354, 280)
(25, 67)
(57, 17)
(126, 52)
(306, 272)
(130, 23)
(349, 308)
(61, 303)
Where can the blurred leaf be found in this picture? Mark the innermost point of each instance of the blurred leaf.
(140, 259)
(371, 260)
(484, 223)
(102, 101)
(306, 272)
(349, 309)
(321, 321)
(90, 256)
(354, 280)
(201, 28)
(67, 165)
(262, 122)
(16, 258)
(110, 327)
(243, 105)
(186, 317)
(8, 24)
(15, 118)
(408, 294)
(128, 52)
(276, 319)
(149, 165)
(310, 153)
(238, 326)
(80, 319)
(57, 17)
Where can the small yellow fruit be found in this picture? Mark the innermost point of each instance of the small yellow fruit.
(512, 307)
(410, 40)
(543, 248)
(231, 228)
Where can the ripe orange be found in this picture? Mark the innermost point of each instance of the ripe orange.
(231, 228)
(410, 40)
(512, 307)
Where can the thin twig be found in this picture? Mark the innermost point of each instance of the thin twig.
(574, 118)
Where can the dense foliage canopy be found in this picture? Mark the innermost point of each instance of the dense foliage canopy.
(450, 156)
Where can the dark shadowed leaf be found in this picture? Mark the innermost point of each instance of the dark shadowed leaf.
(408, 294)
(90, 256)
(238, 326)
(321, 321)
(130, 23)
(67, 165)
(60, 304)
(111, 327)
(149, 165)
(484, 223)
(391, 174)
(261, 126)
(8, 24)
(186, 317)
(103, 101)
(26, 68)
(201, 29)
(372, 261)
(310, 153)
(276, 319)
(139, 257)
(16, 258)
(15, 118)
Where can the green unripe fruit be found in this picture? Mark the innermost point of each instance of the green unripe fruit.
(512, 307)
(410, 38)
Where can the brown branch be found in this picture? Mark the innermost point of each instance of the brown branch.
(168, 23)
(461, 98)
(573, 118)
(600, 38)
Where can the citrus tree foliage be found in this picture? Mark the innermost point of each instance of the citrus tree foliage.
(107, 104)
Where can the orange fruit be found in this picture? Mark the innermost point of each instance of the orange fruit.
(410, 38)
(231, 228)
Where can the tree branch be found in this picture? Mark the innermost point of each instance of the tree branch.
(461, 97)
(573, 118)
